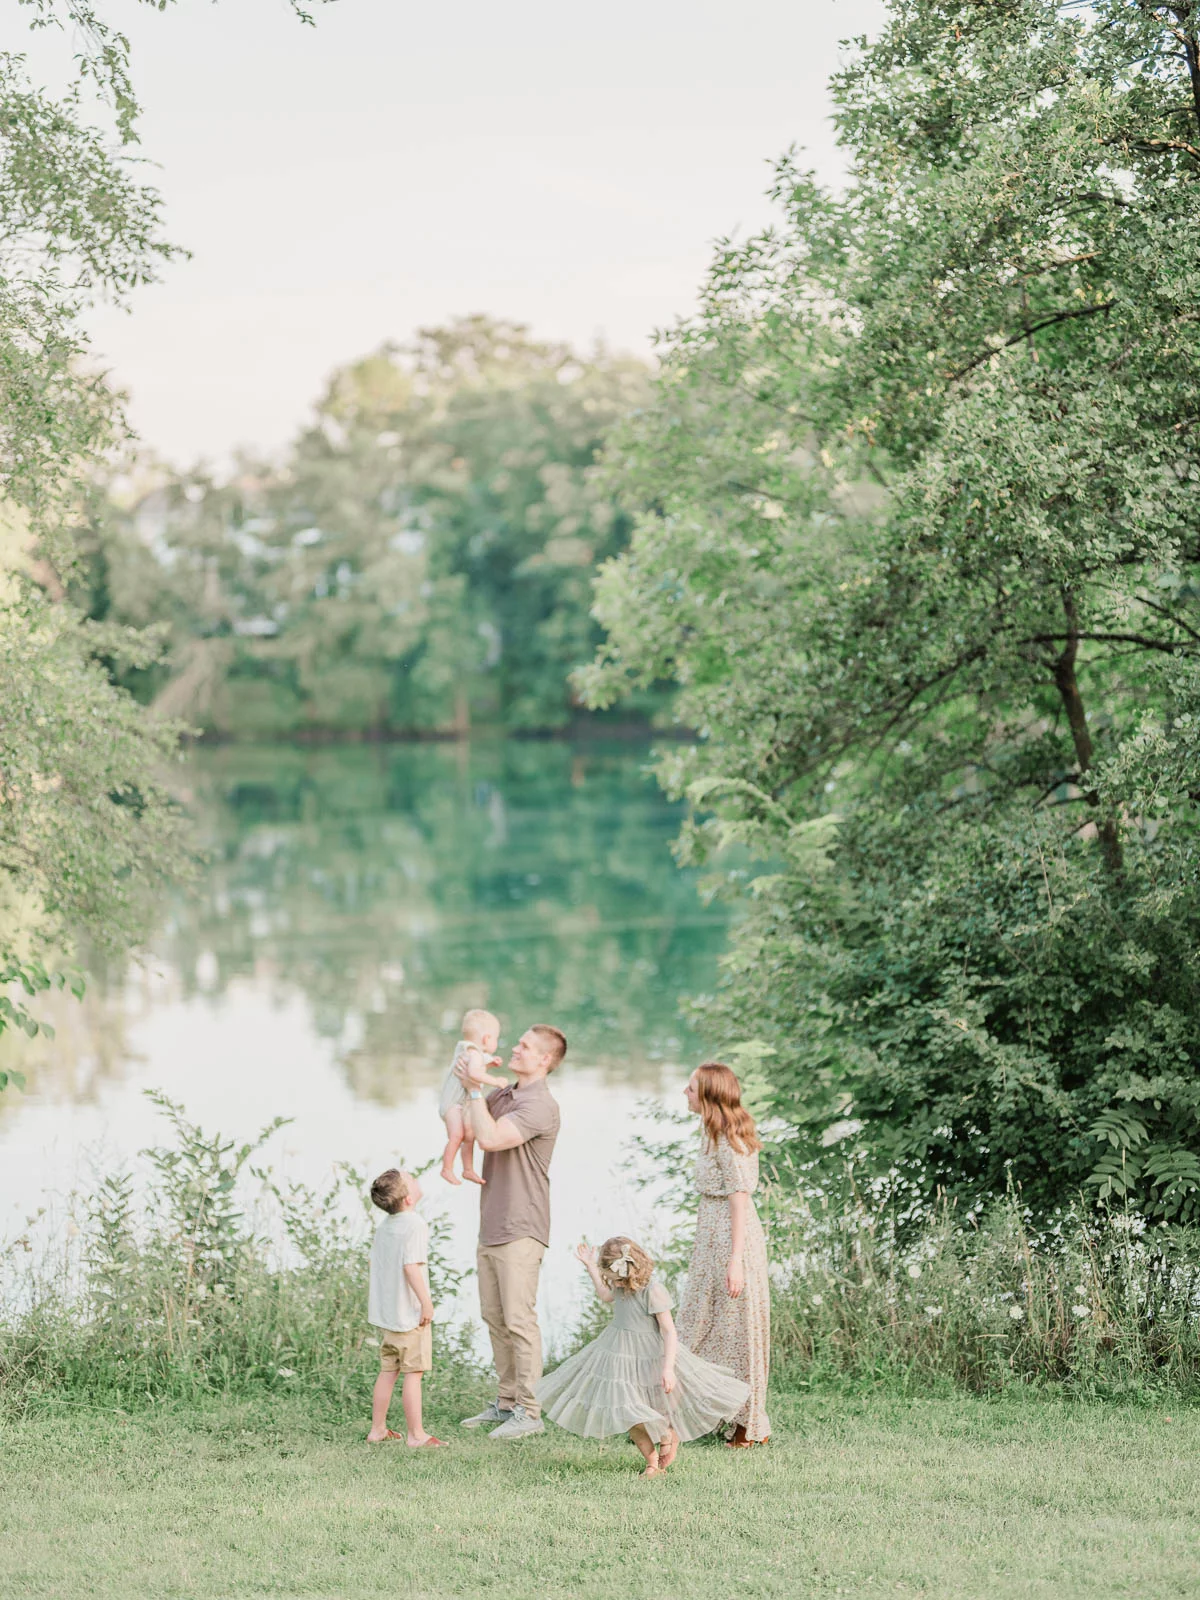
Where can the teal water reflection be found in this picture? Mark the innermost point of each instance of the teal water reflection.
(395, 886)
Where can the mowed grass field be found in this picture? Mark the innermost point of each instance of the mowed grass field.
(866, 1496)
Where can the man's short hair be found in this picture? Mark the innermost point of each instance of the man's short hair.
(552, 1040)
(390, 1190)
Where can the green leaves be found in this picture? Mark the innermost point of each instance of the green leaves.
(88, 828)
(1161, 1176)
(23, 977)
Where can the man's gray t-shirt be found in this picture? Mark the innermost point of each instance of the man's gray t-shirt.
(514, 1202)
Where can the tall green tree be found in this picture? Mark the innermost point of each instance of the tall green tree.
(421, 559)
(920, 547)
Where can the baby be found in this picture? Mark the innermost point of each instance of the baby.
(480, 1036)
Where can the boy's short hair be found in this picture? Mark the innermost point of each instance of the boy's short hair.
(476, 1023)
(552, 1040)
(390, 1190)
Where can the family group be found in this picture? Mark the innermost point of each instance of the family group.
(660, 1382)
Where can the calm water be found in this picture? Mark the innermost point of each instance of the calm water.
(355, 903)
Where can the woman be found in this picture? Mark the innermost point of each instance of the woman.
(726, 1311)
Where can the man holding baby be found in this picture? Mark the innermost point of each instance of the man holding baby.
(515, 1127)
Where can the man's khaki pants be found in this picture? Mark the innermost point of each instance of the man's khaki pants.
(508, 1285)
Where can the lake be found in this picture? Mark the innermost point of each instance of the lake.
(353, 903)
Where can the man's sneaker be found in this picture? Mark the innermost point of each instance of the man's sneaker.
(492, 1412)
(518, 1426)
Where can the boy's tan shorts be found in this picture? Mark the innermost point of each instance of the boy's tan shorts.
(407, 1352)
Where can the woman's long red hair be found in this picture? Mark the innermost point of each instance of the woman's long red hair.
(721, 1108)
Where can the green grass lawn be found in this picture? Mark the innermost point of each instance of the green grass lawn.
(873, 1496)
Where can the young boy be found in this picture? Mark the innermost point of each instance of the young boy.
(480, 1036)
(399, 1305)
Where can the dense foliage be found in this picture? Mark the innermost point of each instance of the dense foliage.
(422, 558)
(919, 544)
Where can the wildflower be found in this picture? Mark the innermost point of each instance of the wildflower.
(201, 1291)
(1016, 1313)
(914, 1269)
(1079, 1311)
(220, 1290)
(818, 1299)
(933, 1311)
(285, 1372)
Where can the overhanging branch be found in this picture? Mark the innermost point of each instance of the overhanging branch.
(1025, 333)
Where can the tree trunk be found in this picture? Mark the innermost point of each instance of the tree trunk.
(1068, 688)
(1191, 54)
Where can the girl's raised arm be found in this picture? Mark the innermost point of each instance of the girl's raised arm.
(586, 1253)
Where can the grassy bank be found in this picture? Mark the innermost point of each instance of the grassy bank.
(184, 1392)
(868, 1496)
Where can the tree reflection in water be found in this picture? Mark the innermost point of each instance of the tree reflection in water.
(393, 886)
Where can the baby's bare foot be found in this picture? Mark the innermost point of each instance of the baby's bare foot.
(449, 1175)
(472, 1176)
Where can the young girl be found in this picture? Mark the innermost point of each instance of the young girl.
(637, 1377)
(480, 1036)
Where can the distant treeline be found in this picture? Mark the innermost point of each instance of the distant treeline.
(420, 561)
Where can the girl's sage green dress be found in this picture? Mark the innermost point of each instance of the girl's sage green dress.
(736, 1333)
(615, 1382)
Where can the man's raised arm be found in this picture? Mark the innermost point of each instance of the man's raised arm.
(486, 1131)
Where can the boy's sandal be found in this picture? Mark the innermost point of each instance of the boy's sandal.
(387, 1438)
(438, 1444)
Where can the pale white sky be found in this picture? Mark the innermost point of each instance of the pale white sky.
(400, 164)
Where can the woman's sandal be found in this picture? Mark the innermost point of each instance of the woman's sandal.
(740, 1441)
(438, 1444)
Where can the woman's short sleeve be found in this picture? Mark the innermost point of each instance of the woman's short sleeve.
(658, 1299)
(739, 1173)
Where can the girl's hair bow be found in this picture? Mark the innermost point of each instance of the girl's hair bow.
(621, 1267)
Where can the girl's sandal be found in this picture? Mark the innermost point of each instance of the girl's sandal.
(652, 1469)
(388, 1437)
(668, 1451)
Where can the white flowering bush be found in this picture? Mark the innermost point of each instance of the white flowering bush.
(869, 1278)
